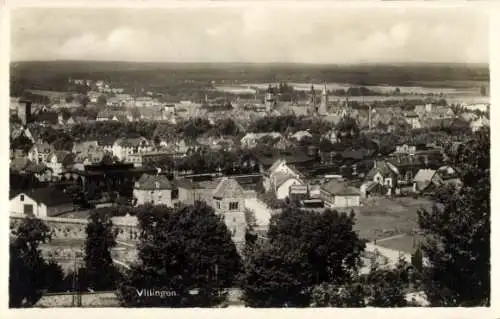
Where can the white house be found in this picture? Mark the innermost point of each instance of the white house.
(122, 148)
(42, 202)
(57, 161)
(406, 149)
(154, 189)
(301, 134)
(384, 173)
(40, 152)
(281, 177)
(336, 194)
(283, 185)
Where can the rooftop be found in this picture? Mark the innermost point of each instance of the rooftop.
(48, 196)
(229, 188)
(339, 188)
(152, 182)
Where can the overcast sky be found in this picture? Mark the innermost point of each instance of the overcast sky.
(252, 34)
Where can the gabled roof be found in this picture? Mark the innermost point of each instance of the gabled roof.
(281, 178)
(294, 169)
(381, 167)
(48, 196)
(296, 158)
(276, 164)
(404, 161)
(132, 142)
(152, 182)
(229, 188)
(339, 188)
(185, 183)
(424, 175)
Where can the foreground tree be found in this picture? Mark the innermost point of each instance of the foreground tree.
(275, 277)
(99, 273)
(457, 231)
(29, 273)
(305, 249)
(382, 286)
(186, 252)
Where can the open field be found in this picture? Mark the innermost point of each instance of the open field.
(405, 244)
(383, 217)
(54, 74)
(79, 214)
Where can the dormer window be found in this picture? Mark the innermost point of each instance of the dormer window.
(157, 185)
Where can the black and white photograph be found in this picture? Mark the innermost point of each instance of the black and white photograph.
(249, 155)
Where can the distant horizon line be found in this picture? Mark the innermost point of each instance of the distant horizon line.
(256, 63)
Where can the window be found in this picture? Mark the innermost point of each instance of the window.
(388, 181)
(217, 203)
(175, 193)
(157, 185)
(233, 206)
(28, 210)
(22, 198)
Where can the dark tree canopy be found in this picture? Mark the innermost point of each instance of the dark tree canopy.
(181, 250)
(29, 273)
(457, 242)
(305, 249)
(99, 271)
(382, 286)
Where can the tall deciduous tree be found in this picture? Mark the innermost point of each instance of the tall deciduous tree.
(382, 286)
(99, 272)
(305, 249)
(187, 252)
(29, 272)
(457, 244)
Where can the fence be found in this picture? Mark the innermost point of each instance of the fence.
(117, 221)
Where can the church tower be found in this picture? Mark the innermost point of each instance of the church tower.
(324, 102)
(313, 108)
(270, 99)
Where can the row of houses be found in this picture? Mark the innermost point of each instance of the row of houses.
(225, 195)
(407, 170)
(49, 163)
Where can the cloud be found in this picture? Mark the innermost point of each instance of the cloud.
(254, 34)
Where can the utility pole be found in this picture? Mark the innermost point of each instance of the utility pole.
(77, 297)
